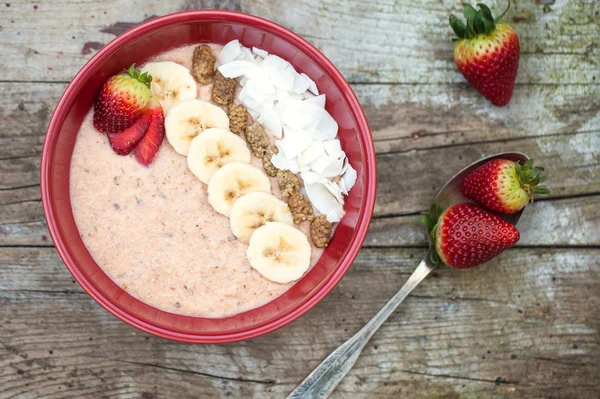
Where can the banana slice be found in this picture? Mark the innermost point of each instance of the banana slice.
(214, 148)
(187, 119)
(232, 181)
(253, 210)
(171, 83)
(279, 252)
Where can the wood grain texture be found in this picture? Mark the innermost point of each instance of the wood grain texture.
(368, 41)
(530, 332)
(527, 325)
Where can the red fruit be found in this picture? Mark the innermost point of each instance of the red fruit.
(122, 100)
(504, 186)
(122, 143)
(466, 235)
(146, 150)
(487, 53)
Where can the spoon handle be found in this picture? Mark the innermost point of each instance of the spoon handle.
(325, 378)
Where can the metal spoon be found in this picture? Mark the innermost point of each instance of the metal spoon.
(325, 378)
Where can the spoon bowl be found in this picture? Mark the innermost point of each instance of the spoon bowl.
(450, 193)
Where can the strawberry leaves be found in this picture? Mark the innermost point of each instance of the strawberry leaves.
(480, 21)
(430, 220)
(144, 78)
(530, 177)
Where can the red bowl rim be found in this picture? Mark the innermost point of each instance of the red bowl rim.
(61, 112)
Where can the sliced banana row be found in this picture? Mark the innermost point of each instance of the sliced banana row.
(187, 119)
(279, 252)
(253, 210)
(236, 189)
(213, 149)
(232, 181)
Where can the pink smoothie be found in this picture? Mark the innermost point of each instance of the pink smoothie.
(154, 233)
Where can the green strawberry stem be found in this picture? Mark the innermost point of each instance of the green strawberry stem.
(530, 176)
(478, 21)
(430, 220)
(144, 78)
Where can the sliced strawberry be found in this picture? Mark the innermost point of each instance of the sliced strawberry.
(148, 147)
(122, 143)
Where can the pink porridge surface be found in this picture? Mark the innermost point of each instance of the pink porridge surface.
(154, 233)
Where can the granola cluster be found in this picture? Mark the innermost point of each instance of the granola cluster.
(320, 231)
(203, 64)
(223, 89)
(238, 118)
(301, 207)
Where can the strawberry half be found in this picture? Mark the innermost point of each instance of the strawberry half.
(487, 53)
(504, 186)
(122, 143)
(122, 100)
(466, 236)
(146, 150)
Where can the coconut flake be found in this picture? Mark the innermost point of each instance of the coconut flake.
(335, 190)
(317, 100)
(323, 200)
(333, 217)
(253, 113)
(343, 188)
(312, 86)
(260, 93)
(301, 84)
(247, 55)
(281, 162)
(312, 178)
(349, 178)
(246, 99)
(333, 148)
(230, 52)
(270, 120)
(249, 69)
(294, 142)
(280, 71)
(334, 168)
(314, 151)
(327, 126)
(321, 163)
(260, 52)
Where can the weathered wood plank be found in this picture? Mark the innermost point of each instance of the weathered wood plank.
(402, 117)
(536, 312)
(382, 41)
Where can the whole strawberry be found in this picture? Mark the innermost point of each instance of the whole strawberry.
(466, 236)
(504, 186)
(122, 100)
(487, 53)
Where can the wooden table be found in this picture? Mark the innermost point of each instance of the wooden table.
(525, 326)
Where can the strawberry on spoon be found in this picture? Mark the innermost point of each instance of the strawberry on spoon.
(503, 185)
(123, 99)
(146, 150)
(466, 236)
(487, 53)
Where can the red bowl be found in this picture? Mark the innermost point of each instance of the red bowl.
(138, 45)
